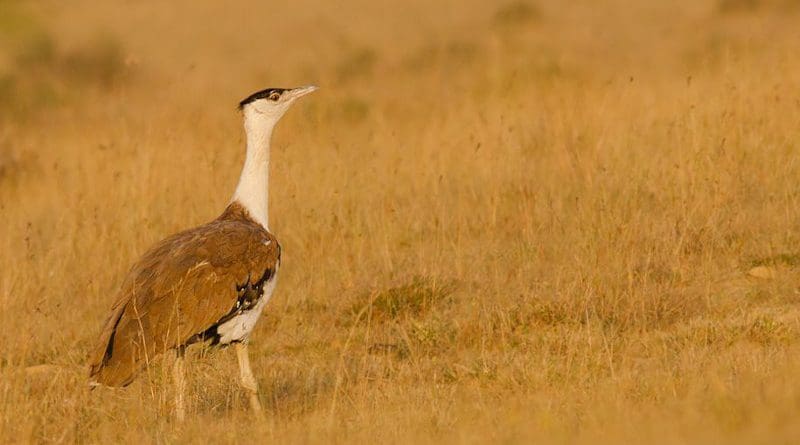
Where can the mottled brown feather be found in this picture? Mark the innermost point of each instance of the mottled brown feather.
(180, 288)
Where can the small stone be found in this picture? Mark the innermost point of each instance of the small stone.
(762, 272)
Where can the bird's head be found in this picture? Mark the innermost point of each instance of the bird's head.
(270, 104)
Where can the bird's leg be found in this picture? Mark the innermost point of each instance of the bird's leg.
(180, 383)
(246, 379)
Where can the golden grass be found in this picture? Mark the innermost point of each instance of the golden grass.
(502, 223)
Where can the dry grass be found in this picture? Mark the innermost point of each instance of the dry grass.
(504, 223)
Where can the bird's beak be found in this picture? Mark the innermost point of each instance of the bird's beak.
(302, 91)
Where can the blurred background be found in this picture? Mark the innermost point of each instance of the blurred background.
(506, 221)
(201, 52)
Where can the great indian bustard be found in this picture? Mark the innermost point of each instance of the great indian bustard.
(209, 283)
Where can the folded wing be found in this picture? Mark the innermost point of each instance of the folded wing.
(177, 291)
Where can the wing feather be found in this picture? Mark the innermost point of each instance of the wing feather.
(181, 288)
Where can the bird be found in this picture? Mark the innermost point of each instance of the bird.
(208, 284)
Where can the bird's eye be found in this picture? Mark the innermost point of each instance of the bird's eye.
(274, 96)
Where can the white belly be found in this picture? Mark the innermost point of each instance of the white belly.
(239, 327)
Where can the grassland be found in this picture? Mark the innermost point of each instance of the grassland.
(502, 223)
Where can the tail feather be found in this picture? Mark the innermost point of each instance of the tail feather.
(114, 373)
(113, 362)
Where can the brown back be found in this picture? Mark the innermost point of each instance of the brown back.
(180, 288)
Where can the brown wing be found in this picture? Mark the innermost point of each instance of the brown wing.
(180, 288)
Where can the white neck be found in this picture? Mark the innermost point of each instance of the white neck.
(253, 189)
